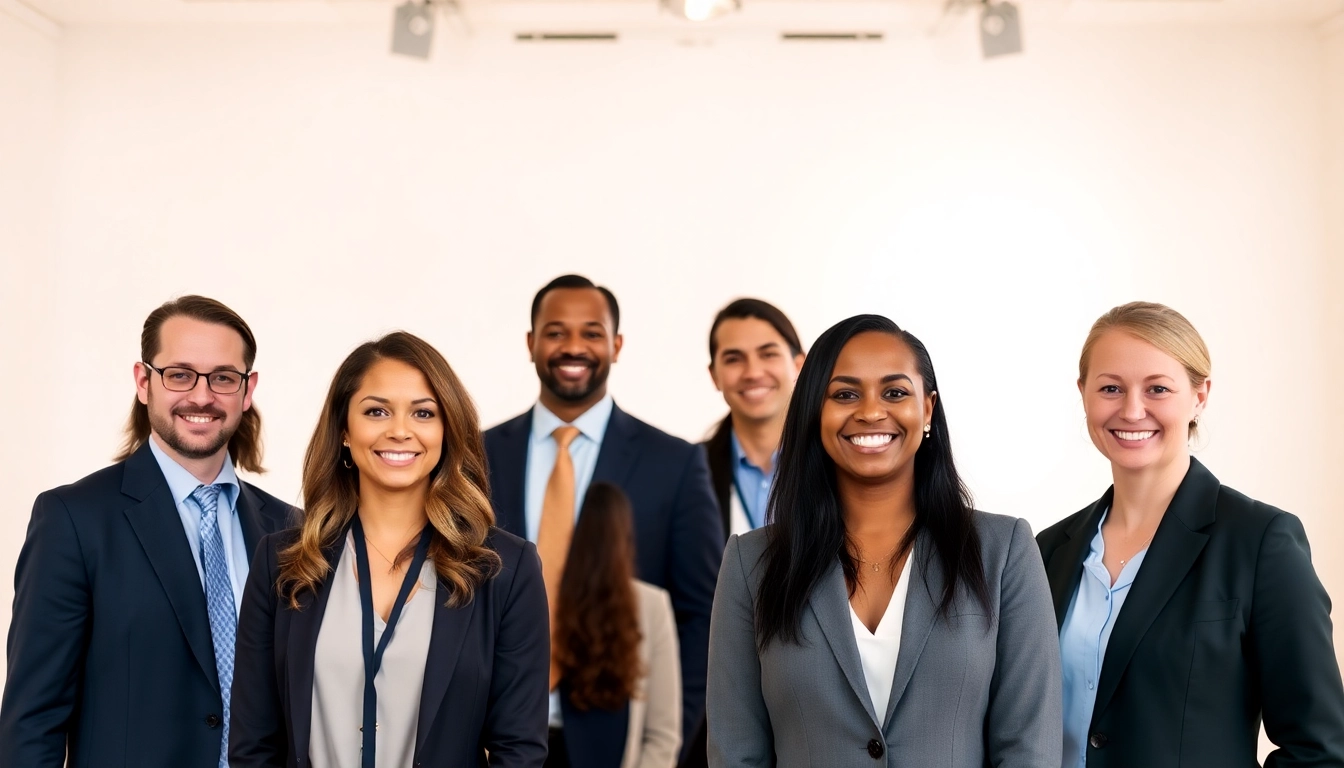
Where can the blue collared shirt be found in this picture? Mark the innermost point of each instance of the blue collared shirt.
(541, 452)
(752, 484)
(181, 483)
(541, 457)
(1082, 641)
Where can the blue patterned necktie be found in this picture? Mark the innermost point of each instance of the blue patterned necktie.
(218, 601)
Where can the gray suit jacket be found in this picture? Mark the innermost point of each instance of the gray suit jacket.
(967, 692)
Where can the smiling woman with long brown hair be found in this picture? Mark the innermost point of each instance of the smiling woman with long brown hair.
(396, 625)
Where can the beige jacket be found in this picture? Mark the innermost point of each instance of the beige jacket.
(654, 738)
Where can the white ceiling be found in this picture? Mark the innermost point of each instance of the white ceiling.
(618, 15)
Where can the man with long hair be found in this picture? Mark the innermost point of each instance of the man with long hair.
(127, 588)
(542, 462)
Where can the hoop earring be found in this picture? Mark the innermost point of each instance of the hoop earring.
(347, 464)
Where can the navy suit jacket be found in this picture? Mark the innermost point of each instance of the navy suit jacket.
(678, 534)
(110, 655)
(486, 677)
(1225, 623)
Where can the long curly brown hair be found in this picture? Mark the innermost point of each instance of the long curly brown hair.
(597, 613)
(458, 505)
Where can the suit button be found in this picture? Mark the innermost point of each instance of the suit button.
(1097, 740)
(875, 749)
(212, 721)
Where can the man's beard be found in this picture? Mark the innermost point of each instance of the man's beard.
(167, 430)
(577, 392)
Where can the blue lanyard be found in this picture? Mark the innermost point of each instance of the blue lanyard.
(742, 497)
(373, 657)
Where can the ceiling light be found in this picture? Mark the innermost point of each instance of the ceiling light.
(702, 10)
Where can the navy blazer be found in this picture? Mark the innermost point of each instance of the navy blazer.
(678, 535)
(486, 678)
(110, 655)
(1225, 623)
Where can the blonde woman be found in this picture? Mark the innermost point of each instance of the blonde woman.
(1188, 613)
(396, 626)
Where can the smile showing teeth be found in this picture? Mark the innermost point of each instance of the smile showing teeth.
(397, 456)
(870, 441)
(1133, 435)
(199, 419)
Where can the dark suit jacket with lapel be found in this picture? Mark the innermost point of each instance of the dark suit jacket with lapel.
(110, 655)
(719, 453)
(678, 536)
(1226, 622)
(486, 679)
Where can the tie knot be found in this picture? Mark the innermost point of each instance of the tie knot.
(207, 496)
(564, 436)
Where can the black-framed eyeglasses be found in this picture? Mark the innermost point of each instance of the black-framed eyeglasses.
(221, 382)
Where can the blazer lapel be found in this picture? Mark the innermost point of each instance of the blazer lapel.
(830, 605)
(509, 474)
(617, 457)
(159, 529)
(302, 649)
(921, 611)
(445, 646)
(1066, 563)
(719, 452)
(250, 505)
(1173, 551)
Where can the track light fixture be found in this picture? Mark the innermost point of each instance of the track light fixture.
(701, 10)
(1000, 29)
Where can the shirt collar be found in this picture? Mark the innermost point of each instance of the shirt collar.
(181, 483)
(740, 456)
(592, 423)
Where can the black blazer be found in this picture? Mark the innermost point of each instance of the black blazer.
(678, 538)
(110, 654)
(1225, 623)
(719, 453)
(486, 679)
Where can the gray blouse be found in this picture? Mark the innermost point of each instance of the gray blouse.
(338, 672)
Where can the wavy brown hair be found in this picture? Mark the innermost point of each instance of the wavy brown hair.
(458, 505)
(597, 634)
(245, 445)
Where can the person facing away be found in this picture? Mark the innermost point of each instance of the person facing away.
(121, 648)
(542, 461)
(879, 619)
(1187, 612)
(615, 649)
(754, 359)
(396, 626)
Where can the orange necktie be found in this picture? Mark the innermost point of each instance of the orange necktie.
(557, 527)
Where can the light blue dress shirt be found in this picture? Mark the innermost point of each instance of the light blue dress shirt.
(752, 484)
(541, 457)
(1083, 638)
(180, 484)
(541, 451)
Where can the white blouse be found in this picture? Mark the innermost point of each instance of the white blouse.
(338, 672)
(880, 650)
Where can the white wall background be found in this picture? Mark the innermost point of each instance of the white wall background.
(29, 144)
(330, 192)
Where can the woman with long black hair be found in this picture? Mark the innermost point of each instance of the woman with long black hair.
(879, 619)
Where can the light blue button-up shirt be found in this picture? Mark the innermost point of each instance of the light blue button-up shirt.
(180, 484)
(541, 452)
(1082, 641)
(752, 483)
(541, 457)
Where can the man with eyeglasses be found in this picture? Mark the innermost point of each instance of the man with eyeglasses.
(127, 589)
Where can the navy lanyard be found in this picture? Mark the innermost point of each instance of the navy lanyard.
(742, 498)
(373, 657)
